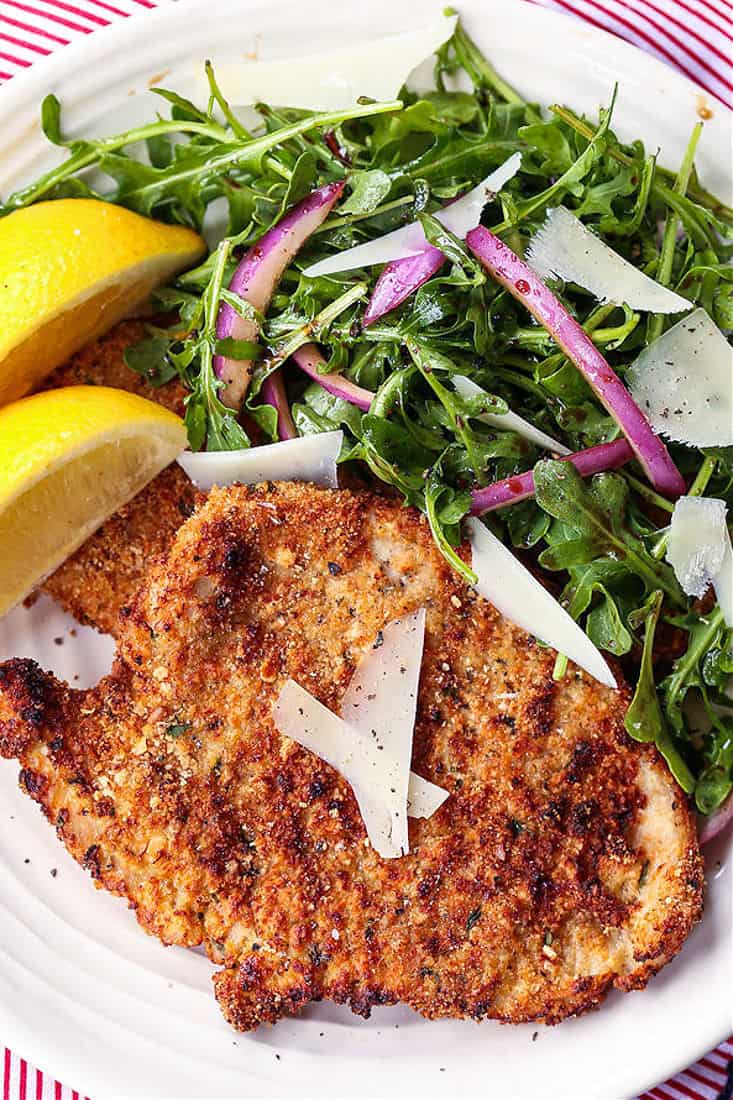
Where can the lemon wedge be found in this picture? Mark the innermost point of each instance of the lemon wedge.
(69, 458)
(71, 269)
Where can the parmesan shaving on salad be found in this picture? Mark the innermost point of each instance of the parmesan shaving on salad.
(370, 744)
(505, 583)
(333, 79)
(565, 248)
(683, 382)
(461, 216)
(510, 421)
(307, 458)
(699, 550)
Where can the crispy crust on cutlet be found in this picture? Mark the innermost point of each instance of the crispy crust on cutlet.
(99, 582)
(102, 363)
(30, 704)
(565, 861)
(101, 578)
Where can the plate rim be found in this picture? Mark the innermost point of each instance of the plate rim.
(100, 42)
(89, 52)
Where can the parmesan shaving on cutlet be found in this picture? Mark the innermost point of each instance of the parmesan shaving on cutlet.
(370, 745)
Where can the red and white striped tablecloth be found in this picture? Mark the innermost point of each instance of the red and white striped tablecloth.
(696, 36)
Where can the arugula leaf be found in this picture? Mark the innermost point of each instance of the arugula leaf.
(368, 189)
(454, 249)
(568, 181)
(644, 719)
(146, 189)
(51, 120)
(705, 634)
(445, 507)
(593, 518)
(239, 349)
(482, 74)
(302, 179)
(149, 358)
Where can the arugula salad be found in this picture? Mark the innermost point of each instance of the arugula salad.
(507, 310)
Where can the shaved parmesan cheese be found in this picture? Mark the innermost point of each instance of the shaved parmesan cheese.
(372, 775)
(424, 797)
(683, 382)
(565, 248)
(308, 458)
(370, 745)
(699, 550)
(381, 698)
(696, 546)
(461, 216)
(331, 80)
(511, 421)
(513, 591)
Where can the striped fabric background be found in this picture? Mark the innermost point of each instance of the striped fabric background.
(32, 29)
(709, 1079)
(696, 36)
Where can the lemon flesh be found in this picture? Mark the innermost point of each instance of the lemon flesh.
(69, 270)
(69, 459)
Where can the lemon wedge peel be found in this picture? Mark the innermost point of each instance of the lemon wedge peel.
(69, 270)
(69, 459)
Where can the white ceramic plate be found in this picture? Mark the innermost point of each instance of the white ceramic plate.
(83, 991)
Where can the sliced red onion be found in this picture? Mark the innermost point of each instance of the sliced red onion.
(307, 458)
(311, 362)
(403, 277)
(510, 490)
(399, 280)
(256, 278)
(524, 285)
(714, 824)
(332, 143)
(273, 393)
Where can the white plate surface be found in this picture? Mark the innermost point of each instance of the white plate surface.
(84, 992)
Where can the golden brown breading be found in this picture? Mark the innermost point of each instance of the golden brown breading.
(106, 571)
(104, 574)
(102, 363)
(564, 862)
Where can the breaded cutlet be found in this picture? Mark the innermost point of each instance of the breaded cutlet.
(564, 862)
